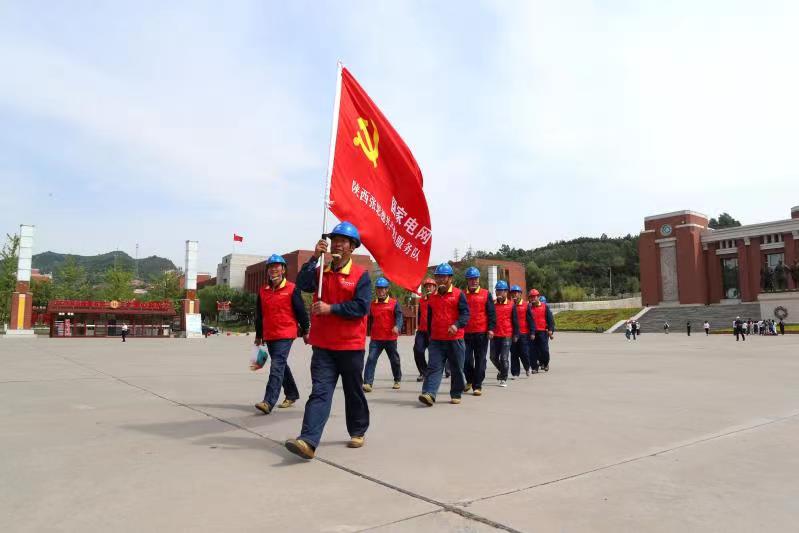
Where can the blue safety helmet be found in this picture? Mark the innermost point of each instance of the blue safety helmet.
(515, 288)
(501, 285)
(472, 272)
(382, 283)
(542, 299)
(444, 269)
(346, 229)
(274, 258)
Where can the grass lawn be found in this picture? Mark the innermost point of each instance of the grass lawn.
(598, 320)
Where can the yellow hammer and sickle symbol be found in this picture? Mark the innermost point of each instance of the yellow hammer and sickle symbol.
(367, 144)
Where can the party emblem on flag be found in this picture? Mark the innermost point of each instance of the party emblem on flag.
(369, 145)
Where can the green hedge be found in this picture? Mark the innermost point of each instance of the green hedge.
(595, 320)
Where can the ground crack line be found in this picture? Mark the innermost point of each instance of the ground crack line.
(444, 506)
(774, 420)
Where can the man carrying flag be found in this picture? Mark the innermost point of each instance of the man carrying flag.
(373, 181)
(338, 338)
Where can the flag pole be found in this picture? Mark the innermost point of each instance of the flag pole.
(329, 175)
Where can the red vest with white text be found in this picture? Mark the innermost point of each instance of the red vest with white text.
(445, 313)
(279, 321)
(383, 323)
(521, 314)
(335, 332)
(504, 327)
(478, 318)
(540, 317)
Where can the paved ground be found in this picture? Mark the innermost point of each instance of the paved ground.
(668, 433)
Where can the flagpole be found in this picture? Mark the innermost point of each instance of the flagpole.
(328, 177)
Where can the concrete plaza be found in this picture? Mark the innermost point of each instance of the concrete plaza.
(668, 433)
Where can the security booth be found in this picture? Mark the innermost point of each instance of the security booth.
(91, 318)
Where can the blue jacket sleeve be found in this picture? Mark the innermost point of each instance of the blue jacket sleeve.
(463, 312)
(259, 317)
(529, 316)
(398, 315)
(299, 311)
(359, 306)
(514, 319)
(491, 311)
(306, 277)
(550, 320)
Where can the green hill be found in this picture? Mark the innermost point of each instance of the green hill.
(97, 265)
(579, 268)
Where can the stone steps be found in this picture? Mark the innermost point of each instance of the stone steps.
(719, 316)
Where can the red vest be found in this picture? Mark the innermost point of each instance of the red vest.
(521, 314)
(504, 327)
(445, 313)
(382, 314)
(540, 317)
(279, 321)
(334, 332)
(478, 318)
(424, 303)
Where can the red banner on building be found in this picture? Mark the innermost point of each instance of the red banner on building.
(377, 185)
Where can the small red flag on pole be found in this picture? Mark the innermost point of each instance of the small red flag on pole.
(238, 238)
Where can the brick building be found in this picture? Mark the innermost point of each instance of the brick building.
(255, 275)
(511, 271)
(685, 262)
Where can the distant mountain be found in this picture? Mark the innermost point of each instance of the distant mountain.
(97, 265)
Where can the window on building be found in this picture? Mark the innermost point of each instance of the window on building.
(774, 276)
(729, 278)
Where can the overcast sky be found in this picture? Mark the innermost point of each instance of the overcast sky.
(156, 122)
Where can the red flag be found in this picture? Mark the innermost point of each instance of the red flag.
(238, 238)
(377, 185)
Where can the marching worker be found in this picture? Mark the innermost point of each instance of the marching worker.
(386, 319)
(447, 315)
(338, 338)
(542, 326)
(506, 331)
(422, 340)
(479, 330)
(520, 349)
(278, 310)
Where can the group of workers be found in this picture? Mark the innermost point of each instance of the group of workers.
(458, 329)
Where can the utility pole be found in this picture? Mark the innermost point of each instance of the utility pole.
(610, 273)
(136, 263)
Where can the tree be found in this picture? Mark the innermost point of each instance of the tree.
(572, 293)
(243, 305)
(70, 282)
(210, 295)
(117, 284)
(43, 291)
(8, 274)
(165, 286)
(725, 220)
